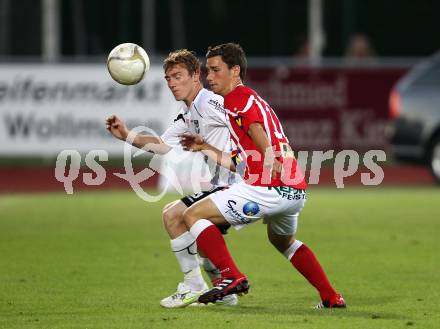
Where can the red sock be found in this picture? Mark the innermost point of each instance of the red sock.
(211, 242)
(306, 263)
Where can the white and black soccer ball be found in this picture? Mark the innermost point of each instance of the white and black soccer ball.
(128, 63)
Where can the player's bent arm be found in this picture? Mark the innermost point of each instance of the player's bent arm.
(195, 143)
(150, 143)
(146, 142)
(222, 158)
(259, 136)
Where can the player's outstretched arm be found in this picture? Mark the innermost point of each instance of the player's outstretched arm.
(195, 143)
(116, 127)
(146, 142)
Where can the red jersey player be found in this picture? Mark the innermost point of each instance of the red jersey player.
(246, 108)
(273, 188)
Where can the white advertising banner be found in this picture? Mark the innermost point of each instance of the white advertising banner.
(45, 109)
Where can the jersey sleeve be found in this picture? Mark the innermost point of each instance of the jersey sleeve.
(246, 110)
(178, 127)
(213, 107)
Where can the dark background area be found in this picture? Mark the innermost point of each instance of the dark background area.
(264, 27)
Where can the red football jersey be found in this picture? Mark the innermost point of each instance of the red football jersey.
(245, 107)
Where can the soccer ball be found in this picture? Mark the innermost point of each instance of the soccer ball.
(127, 63)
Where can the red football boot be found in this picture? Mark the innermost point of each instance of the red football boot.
(336, 302)
(224, 287)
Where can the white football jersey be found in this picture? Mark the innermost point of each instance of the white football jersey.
(207, 118)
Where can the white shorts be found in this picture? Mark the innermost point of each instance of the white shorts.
(242, 204)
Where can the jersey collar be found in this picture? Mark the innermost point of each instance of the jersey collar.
(201, 91)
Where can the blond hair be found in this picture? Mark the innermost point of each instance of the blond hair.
(184, 57)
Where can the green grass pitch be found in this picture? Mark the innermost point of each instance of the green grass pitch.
(102, 260)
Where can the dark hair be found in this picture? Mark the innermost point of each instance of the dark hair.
(185, 57)
(232, 54)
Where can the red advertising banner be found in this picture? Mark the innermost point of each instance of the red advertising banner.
(329, 108)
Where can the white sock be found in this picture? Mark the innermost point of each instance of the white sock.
(292, 249)
(199, 226)
(210, 268)
(185, 249)
(194, 279)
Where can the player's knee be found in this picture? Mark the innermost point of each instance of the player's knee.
(171, 216)
(189, 216)
(281, 242)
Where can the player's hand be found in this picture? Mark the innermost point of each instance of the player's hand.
(272, 164)
(191, 142)
(277, 167)
(116, 127)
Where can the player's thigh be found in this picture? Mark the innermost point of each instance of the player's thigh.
(189, 200)
(169, 205)
(243, 204)
(283, 218)
(284, 223)
(173, 211)
(203, 209)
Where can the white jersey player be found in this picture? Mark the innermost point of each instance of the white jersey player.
(202, 114)
(206, 117)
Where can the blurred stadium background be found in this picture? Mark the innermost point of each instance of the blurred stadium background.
(328, 69)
